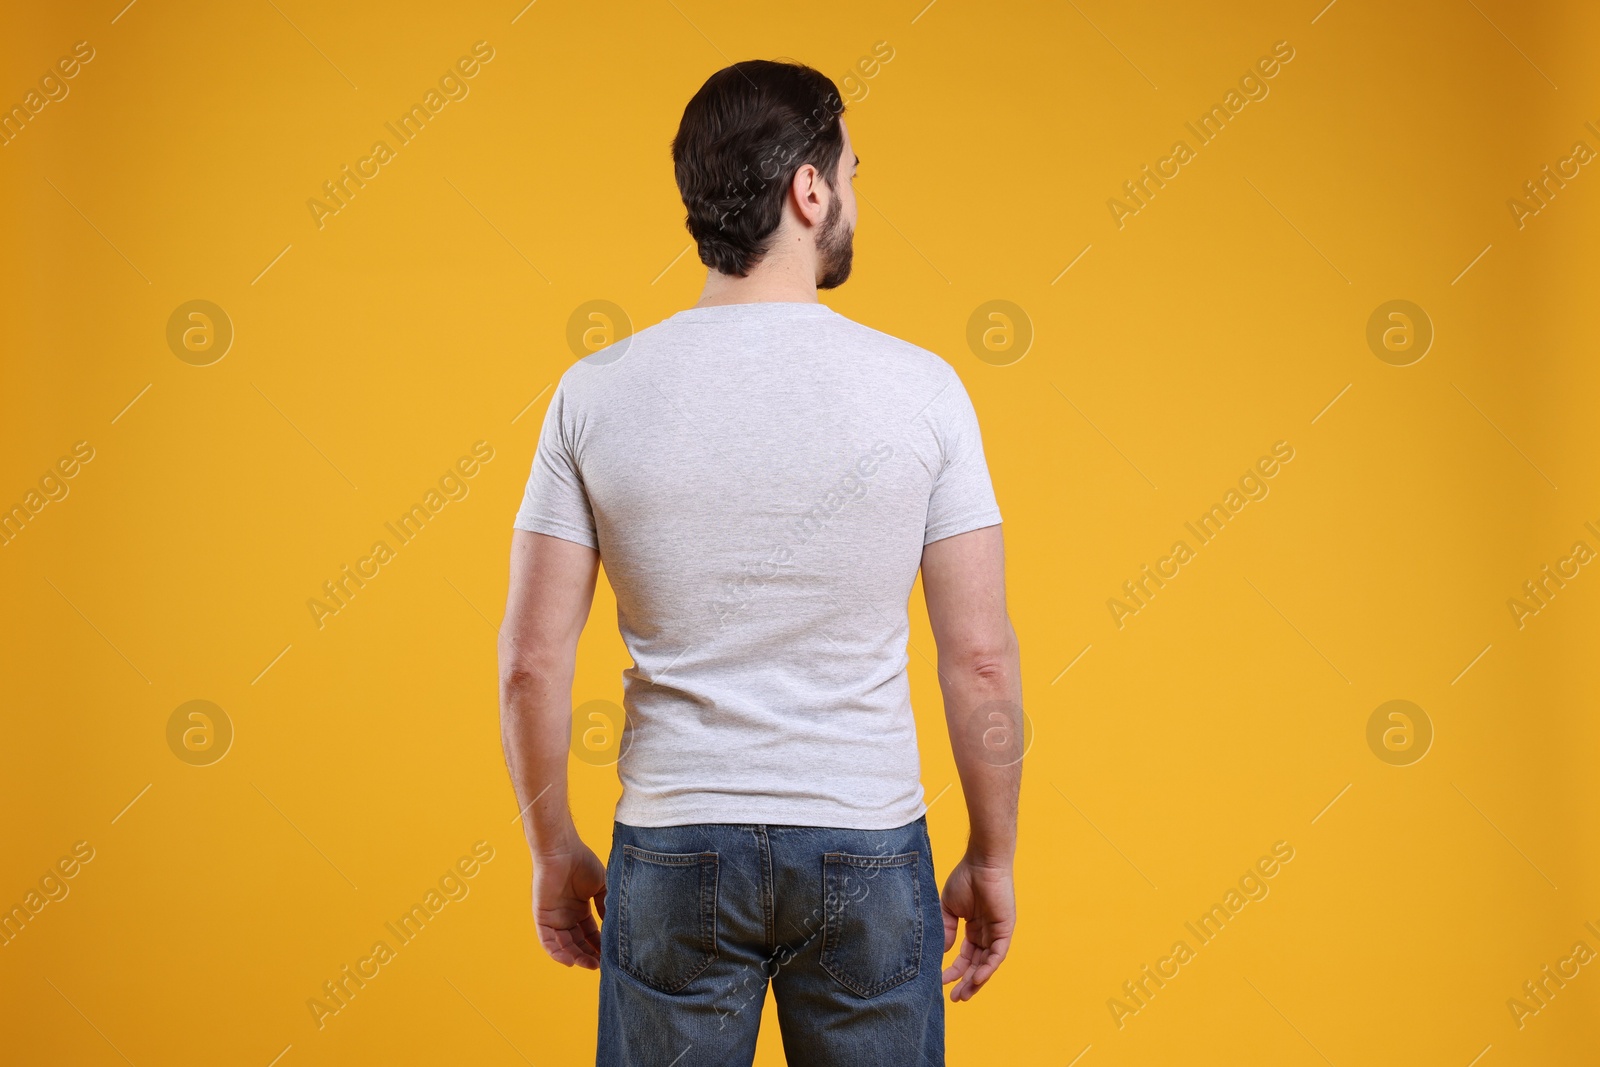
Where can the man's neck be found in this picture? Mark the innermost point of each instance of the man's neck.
(771, 281)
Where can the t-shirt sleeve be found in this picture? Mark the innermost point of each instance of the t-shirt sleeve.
(555, 501)
(963, 495)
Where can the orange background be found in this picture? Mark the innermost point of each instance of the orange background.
(432, 312)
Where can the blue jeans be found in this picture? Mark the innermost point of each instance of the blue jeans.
(845, 924)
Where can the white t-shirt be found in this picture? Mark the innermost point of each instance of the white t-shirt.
(760, 480)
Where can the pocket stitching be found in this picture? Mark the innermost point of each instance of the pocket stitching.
(669, 859)
(830, 930)
(706, 910)
(849, 859)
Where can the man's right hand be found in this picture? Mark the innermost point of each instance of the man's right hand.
(564, 882)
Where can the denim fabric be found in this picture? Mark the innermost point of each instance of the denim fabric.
(844, 924)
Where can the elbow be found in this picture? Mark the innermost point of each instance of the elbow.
(522, 668)
(986, 667)
(516, 680)
(982, 664)
(989, 660)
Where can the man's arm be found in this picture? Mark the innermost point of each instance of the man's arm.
(980, 675)
(552, 589)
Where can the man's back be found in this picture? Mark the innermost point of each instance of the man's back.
(760, 480)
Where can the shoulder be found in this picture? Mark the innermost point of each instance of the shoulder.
(601, 373)
(942, 395)
(898, 354)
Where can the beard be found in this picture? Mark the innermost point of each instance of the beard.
(835, 247)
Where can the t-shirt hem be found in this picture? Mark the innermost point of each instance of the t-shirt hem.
(556, 528)
(951, 527)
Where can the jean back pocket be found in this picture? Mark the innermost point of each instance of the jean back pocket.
(872, 920)
(667, 919)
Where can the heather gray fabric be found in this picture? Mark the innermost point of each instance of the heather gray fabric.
(759, 480)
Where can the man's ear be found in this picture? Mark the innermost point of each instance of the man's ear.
(805, 191)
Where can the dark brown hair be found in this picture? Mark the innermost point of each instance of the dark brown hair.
(741, 139)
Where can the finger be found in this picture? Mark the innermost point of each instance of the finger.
(991, 963)
(549, 937)
(980, 976)
(568, 948)
(972, 955)
(949, 926)
(570, 939)
(956, 969)
(600, 903)
(961, 964)
(985, 967)
(963, 989)
(555, 950)
(591, 935)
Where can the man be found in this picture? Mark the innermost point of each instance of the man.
(762, 478)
